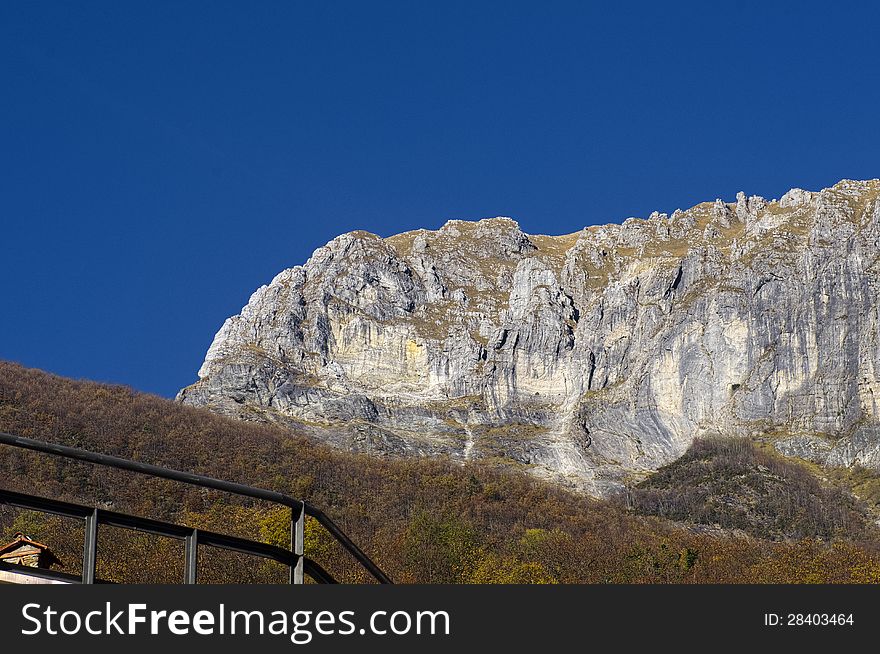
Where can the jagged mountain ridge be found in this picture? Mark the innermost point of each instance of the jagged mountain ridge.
(591, 358)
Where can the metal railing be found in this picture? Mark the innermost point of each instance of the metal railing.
(294, 558)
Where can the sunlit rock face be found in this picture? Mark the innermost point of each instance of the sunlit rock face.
(591, 358)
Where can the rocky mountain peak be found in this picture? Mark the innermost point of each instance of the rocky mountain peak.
(591, 357)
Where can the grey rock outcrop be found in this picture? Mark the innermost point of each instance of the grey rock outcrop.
(591, 358)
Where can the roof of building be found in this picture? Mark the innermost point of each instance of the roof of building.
(19, 540)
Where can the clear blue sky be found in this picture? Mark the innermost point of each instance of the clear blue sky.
(161, 160)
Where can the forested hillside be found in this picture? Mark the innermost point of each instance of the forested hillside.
(422, 520)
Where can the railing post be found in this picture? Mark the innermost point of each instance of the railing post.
(297, 542)
(90, 548)
(191, 554)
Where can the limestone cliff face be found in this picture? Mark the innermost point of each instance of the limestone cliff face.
(591, 358)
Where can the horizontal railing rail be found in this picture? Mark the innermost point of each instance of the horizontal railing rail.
(192, 537)
(299, 564)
